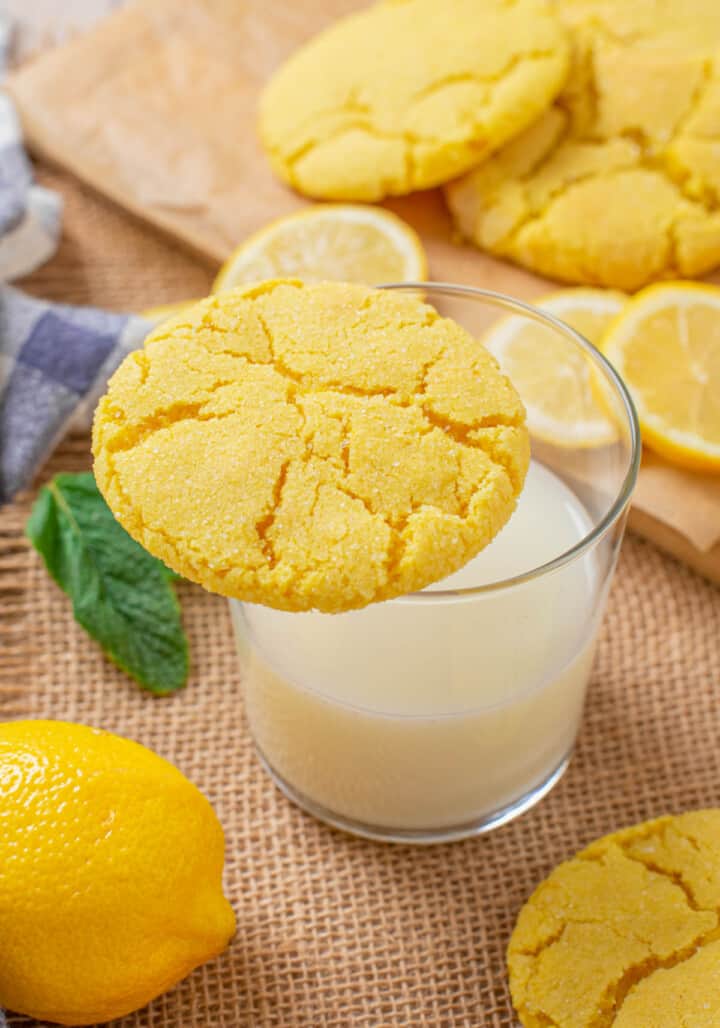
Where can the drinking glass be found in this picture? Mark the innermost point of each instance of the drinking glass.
(446, 713)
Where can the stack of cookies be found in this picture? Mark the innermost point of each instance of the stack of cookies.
(579, 139)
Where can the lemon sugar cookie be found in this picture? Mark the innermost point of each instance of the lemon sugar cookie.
(406, 94)
(627, 933)
(311, 446)
(618, 183)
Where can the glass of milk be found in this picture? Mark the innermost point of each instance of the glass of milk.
(446, 713)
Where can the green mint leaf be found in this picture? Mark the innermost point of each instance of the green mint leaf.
(172, 576)
(121, 595)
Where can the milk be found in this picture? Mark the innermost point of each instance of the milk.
(426, 716)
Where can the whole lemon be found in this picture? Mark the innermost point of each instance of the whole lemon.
(110, 874)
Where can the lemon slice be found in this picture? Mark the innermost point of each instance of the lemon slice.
(666, 346)
(167, 310)
(346, 242)
(556, 382)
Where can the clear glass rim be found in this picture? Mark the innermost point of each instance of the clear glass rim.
(616, 509)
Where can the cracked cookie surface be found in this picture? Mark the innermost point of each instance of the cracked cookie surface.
(618, 183)
(409, 93)
(311, 446)
(627, 933)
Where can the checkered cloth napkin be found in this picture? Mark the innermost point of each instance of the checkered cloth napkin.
(55, 360)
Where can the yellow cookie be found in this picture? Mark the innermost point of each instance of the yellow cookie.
(406, 94)
(311, 446)
(626, 933)
(618, 184)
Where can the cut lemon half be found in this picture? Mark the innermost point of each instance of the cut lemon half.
(666, 347)
(343, 242)
(555, 380)
(167, 310)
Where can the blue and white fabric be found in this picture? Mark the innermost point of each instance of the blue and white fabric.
(54, 359)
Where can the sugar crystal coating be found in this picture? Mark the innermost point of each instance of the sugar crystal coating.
(627, 933)
(405, 95)
(618, 183)
(311, 446)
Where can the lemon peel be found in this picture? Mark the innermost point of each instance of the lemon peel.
(347, 242)
(557, 383)
(111, 883)
(666, 346)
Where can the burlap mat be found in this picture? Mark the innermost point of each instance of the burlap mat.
(333, 931)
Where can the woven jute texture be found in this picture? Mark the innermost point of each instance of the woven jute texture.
(334, 931)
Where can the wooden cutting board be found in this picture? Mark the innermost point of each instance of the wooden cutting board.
(156, 108)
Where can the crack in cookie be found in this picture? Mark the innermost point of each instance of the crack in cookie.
(319, 446)
(622, 934)
(404, 96)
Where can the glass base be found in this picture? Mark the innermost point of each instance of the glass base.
(419, 836)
